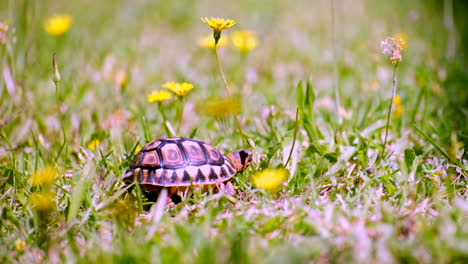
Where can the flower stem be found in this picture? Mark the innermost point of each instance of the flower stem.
(229, 95)
(57, 98)
(221, 70)
(391, 104)
(181, 113)
(56, 80)
(165, 125)
(294, 139)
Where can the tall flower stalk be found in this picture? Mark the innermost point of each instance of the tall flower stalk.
(393, 47)
(218, 25)
(394, 89)
(56, 80)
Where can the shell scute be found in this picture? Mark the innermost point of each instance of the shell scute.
(213, 177)
(152, 145)
(214, 156)
(194, 152)
(200, 178)
(172, 156)
(151, 159)
(137, 160)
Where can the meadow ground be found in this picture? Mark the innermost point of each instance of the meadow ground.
(348, 193)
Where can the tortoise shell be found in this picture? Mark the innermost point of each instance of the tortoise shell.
(177, 161)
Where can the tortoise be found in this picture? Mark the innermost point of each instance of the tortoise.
(178, 163)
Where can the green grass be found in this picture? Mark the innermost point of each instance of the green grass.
(348, 199)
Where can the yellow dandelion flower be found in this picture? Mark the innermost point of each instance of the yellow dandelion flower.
(158, 96)
(218, 24)
(20, 244)
(220, 107)
(42, 201)
(399, 111)
(270, 179)
(401, 39)
(244, 40)
(397, 99)
(208, 42)
(58, 25)
(179, 89)
(44, 176)
(93, 144)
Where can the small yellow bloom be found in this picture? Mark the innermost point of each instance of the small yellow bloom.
(399, 111)
(58, 25)
(217, 23)
(220, 107)
(93, 144)
(158, 96)
(397, 99)
(4, 26)
(401, 39)
(3, 31)
(244, 40)
(270, 179)
(42, 201)
(137, 149)
(208, 42)
(180, 89)
(44, 176)
(20, 244)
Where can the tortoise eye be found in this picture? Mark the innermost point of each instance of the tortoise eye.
(243, 155)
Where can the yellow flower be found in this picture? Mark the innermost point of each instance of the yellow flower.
(397, 99)
(42, 201)
(93, 144)
(180, 89)
(401, 39)
(58, 25)
(4, 26)
(208, 42)
(244, 41)
(44, 176)
(137, 149)
(3, 31)
(270, 179)
(158, 96)
(218, 24)
(399, 111)
(219, 107)
(20, 244)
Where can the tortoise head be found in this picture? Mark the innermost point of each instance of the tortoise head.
(240, 158)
